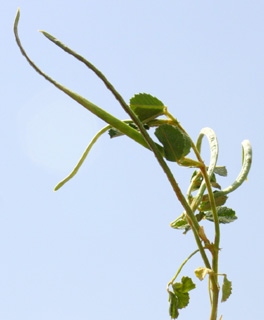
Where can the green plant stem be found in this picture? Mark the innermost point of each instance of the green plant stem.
(182, 265)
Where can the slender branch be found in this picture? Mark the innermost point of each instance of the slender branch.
(182, 265)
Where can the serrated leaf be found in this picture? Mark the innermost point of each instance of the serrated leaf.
(225, 215)
(146, 107)
(221, 171)
(220, 199)
(183, 299)
(187, 284)
(173, 308)
(181, 290)
(176, 143)
(226, 289)
(202, 272)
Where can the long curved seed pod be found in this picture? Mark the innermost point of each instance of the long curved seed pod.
(213, 143)
(247, 160)
(108, 118)
(77, 167)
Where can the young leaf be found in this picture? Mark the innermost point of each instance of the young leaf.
(225, 215)
(202, 272)
(226, 289)
(176, 143)
(181, 290)
(146, 107)
(179, 223)
(173, 308)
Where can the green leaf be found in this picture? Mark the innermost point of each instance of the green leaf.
(187, 284)
(225, 215)
(173, 308)
(202, 272)
(176, 143)
(183, 299)
(226, 289)
(146, 107)
(220, 199)
(179, 223)
(181, 290)
(221, 171)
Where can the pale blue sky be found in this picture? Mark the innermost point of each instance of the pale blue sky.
(101, 247)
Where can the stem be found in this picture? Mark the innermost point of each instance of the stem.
(182, 265)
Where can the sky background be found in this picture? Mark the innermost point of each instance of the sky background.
(101, 247)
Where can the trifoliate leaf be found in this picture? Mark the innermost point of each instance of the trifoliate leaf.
(226, 289)
(176, 143)
(220, 199)
(181, 290)
(173, 308)
(225, 215)
(146, 107)
(202, 272)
